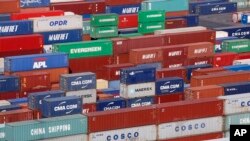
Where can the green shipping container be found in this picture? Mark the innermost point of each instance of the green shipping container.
(130, 35)
(104, 20)
(46, 128)
(151, 16)
(145, 28)
(86, 27)
(85, 49)
(237, 45)
(104, 32)
(2, 132)
(240, 119)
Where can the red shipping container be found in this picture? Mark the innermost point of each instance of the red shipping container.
(119, 2)
(202, 137)
(121, 59)
(9, 95)
(146, 41)
(88, 108)
(34, 81)
(20, 43)
(203, 92)
(86, 37)
(112, 72)
(168, 98)
(245, 55)
(224, 59)
(80, 7)
(37, 9)
(24, 105)
(185, 38)
(200, 61)
(174, 63)
(21, 52)
(25, 16)
(16, 115)
(145, 55)
(191, 109)
(128, 21)
(9, 6)
(26, 93)
(220, 78)
(171, 72)
(55, 86)
(37, 114)
(201, 49)
(175, 23)
(120, 46)
(122, 118)
(177, 13)
(174, 52)
(205, 71)
(83, 64)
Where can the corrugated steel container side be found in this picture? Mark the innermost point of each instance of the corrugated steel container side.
(9, 108)
(9, 95)
(139, 102)
(120, 45)
(171, 72)
(157, 65)
(237, 68)
(219, 41)
(128, 21)
(205, 71)
(79, 137)
(236, 88)
(170, 112)
(201, 49)
(169, 98)
(33, 14)
(104, 20)
(241, 61)
(8, 28)
(135, 133)
(200, 61)
(174, 63)
(175, 23)
(168, 6)
(216, 8)
(88, 96)
(113, 104)
(237, 119)
(88, 108)
(199, 137)
(194, 4)
(9, 6)
(124, 9)
(224, 59)
(146, 41)
(190, 127)
(147, 28)
(245, 55)
(241, 31)
(16, 115)
(169, 85)
(9, 83)
(104, 32)
(191, 68)
(112, 72)
(18, 101)
(151, 16)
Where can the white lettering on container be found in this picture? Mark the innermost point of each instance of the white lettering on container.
(84, 50)
(148, 56)
(175, 53)
(58, 37)
(8, 29)
(130, 10)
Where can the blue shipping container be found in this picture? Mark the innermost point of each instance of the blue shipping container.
(61, 106)
(112, 104)
(35, 100)
(78, 81)
(128, 31)
(135, 75)
(193, 5)
(18, 101)
(195, 67)
(245, 18)
(4, 17)
(169, 85)
(34, 3)
(217, 8)
(157, 66)
(8, 28)
(242, 31)
(110, 91)
(114, 84)
(242, 67)
(218, 46)
(236, 88)
(139, 102)
(192, 19)
(124, 9)
(35, 62)
(9, 83)
(9, 108)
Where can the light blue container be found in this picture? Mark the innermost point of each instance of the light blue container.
(167, 5)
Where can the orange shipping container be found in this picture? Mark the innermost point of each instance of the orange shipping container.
(9, 6)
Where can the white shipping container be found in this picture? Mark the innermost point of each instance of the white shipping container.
(80, 137)
(190, 127)
(220, 139)
(241, 61)
(47, 48)
(221, 34)
(88, 96)
(142, 133)
(57, 23)
(137, 90)
(1, 65)
(180, 30)
(234, 104)
(4, 103)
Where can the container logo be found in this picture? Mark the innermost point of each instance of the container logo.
(30, 2)
(117, 73)
(62, 107)
(130, 10)
(8, 29)
(201, 63)
(58, 23)
(139, 103)
(200, 51)
(58, 37)
(37, 131)
(195, 126)
(40, 101)
(245, 103)
(85, 50)
(149, 56)
(111, 106)
(218, 8)
(175, 65)
(143, 89)
(241, 33)
(169, 87)
(174, 53)
(244, 120)
(78, 82)
(123, 136)
(39, 63)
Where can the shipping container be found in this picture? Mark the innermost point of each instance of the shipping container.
(147, 28)
(34, 4)
(184, 128)
(245, 18)
(61, 106)
(104, 32)
(221, 34)
(224, 59)
(25, 16)
(4, 17)
(115, 84)
(151, 16)
(193, 4)
(104, 20)
(8, 28)
(124, 9)
(137, 90)
(219, 41)
(9, 95)
(237, 45)
(117, 2)
(236, 119)
(139, 102)
(240, 31)
(16, 115)
(174, 63)
(216, 8)
(202, 49)
(4, 103)
(88, 108)
(88, 96)
(35, 62)
(133, 133)
(112, 104)
(9, 108)
(128, 21)
(9, 6)
(169, 98)
(206, 71)
(79, 137)
(171, 72)
(169, 85)
(18, 101)
(200, 61)
(112, 72)
(9, 83)
(236, 88)
(192, 19)
(180, 30)
(86, 27)
(243, 67)
(200, 137)
(241, 61)
(175, 23)
(191, 68)
(157, 66)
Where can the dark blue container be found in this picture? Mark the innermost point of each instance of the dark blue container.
(139, 102)
(236, 88)
(62, 36)
(169, 85)
(242, 31)
(4, 17)
(128, 31)
(244, 19)
(35, 99)
(114, 84)
(218, 46)
(192, 19)
(9, 83)
(86, 16)
(61, 106)
(135, 75)
(78, 81)
(242, 67)
(111, 104)
(157, 66)
(217, 8)
(18, 101)
(195, 67)
(193, 5)
(35, 62)
(9, 108)
(124, 9)
(110, 91)
(8, 28)
(34, 3)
